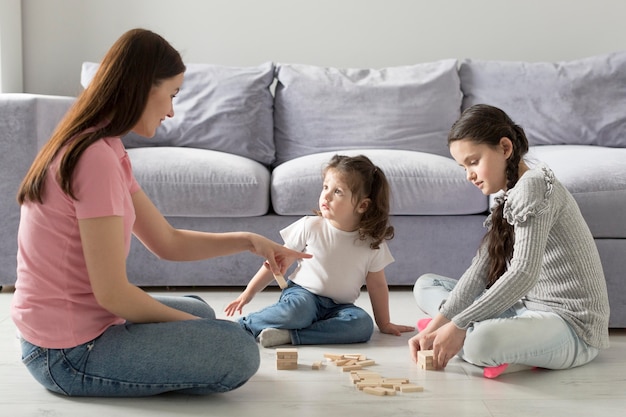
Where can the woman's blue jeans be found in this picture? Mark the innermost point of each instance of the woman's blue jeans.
(131, 360)
(518, 336)
(312, 319)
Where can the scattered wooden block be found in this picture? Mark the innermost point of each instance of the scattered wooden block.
(380, 391)
(364, 384)
(332, 356)
(375, 391)
(395, 380)
(409, 388)
(317, 365)
(372, 382)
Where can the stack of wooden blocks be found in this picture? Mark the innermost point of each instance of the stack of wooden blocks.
(286, 358)
(425, 359)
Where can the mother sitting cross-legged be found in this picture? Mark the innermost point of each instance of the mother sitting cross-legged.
(85, 330)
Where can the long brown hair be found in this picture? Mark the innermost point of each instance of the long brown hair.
(110, 106)
(366, 180)
(484, 124)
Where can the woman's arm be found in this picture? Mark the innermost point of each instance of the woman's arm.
(103, 247)
(166, 242)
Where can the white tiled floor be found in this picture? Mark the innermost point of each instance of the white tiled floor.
(595, 389)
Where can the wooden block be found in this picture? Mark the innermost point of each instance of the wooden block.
(355, 356)
(286, 366)
(425, 359)
(363, 384)
(287, 353)
(317, 365)
(349, 368)
(396, 380)
(375, 391)
(333, 356)
(287, 360)
(342, 362)
(280, 280)
(368, 362)
(365, 374)
(409, 388)
(287, 356)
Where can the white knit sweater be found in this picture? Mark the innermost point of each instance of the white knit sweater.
(555, 265)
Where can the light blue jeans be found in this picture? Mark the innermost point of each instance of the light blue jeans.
(131, 360)
(518, 336)
(312, 319)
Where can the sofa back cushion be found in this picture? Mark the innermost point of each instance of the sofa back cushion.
(420, 183)
(579, 102)
(227, 109)
(320, 109)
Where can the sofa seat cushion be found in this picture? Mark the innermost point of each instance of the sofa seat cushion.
(201, 182)
(421, 183)
(596, 177)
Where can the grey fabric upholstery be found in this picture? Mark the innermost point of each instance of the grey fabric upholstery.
(327, 109)
(201, 183)
(564, 103)
(573, 113)
(421, 183)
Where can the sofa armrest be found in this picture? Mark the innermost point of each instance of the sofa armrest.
(26, 122)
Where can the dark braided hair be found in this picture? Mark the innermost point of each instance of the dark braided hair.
(484, 124)
(366, 180)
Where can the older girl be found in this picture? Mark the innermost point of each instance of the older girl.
(535, 294)
(348, 237)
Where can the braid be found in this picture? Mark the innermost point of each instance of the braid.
(501, 236)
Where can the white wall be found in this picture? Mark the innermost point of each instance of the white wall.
(58, 35)
(10, 46)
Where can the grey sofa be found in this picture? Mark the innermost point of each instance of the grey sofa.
(246, 148)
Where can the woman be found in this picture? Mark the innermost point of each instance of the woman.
(535, 294)
(86, 331)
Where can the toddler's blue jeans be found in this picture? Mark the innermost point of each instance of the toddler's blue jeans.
(312, 319)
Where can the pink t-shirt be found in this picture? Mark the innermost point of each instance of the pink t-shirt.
(54, 305)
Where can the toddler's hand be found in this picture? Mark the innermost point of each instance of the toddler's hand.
(395, 329)
(236, 305)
